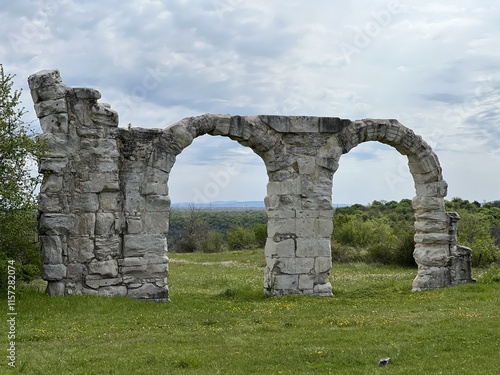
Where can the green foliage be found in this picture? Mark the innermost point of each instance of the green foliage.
(213, 243)
(373, 234)
(474, 232)
(260, 232)
(193, 233)
(18, 150)
(190, 233)
(18, 153)
(239, 238)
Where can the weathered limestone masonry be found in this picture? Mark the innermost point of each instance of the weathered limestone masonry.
(104, 204)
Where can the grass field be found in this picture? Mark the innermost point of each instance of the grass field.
(219, 322)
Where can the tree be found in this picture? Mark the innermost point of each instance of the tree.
(194, 231)
(19, 150)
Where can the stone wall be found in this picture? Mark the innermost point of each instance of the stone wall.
(104, 203)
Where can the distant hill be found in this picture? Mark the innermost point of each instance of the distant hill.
(251, 205)
(221, 204)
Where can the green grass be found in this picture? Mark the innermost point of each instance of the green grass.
(219, 322)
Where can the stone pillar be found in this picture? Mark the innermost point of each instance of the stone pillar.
(460, 256)
(298, 250)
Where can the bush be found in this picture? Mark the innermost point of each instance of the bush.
(260, 232)
(213, 243)
(239, 238)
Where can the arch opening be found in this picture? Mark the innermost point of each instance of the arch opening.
(373, 215)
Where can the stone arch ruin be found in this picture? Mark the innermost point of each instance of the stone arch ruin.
(104, 203)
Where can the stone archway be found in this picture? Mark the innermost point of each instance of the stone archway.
(441, 262)
(104, 202)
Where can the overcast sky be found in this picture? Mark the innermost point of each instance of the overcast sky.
(433, 66)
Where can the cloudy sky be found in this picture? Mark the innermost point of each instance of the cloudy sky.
(433, 66)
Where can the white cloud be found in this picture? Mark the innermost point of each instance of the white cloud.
(157, 62)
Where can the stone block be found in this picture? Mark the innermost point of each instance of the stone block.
(329, 163)
(80, 249)
(133, 201)
(86, 93)
(49, 107)
(57, 224)
(431, 278)
(51, 249)
(101, 181)
(306, 282)
(44, 78)
(183, 137)
(110, 201)
(91, 292)
(285, 249)
(53, 272)
(278, 123)
(324, 227)
(51, 184)
(323, 290)
(332, 124)
(286, 282)
(303, 124)
(57, 123)
(420, 204)
(431, 256)
(281, 226)
(50, 203)
(222, 125)
(284, 187)
(430, 226)
(155, 222)
(439, 216)
(107, 247)
(86, 224)
(134, 225)
(55, 288)
(85, 202)
(432, 189)
(133, 262)
(149, 291)
(105, 224)
(294, 266)
(433, 238)
(110, 282)
(93, 281)
(306, 227)
(52, 164)
(108, 268)
(75, 271)
(154, 188)
(322, 264)
(137, 245)
(313, 247)
(112, 291)
(104, 116)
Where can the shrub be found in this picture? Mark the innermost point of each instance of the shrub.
(240, 238)
(213, 243)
